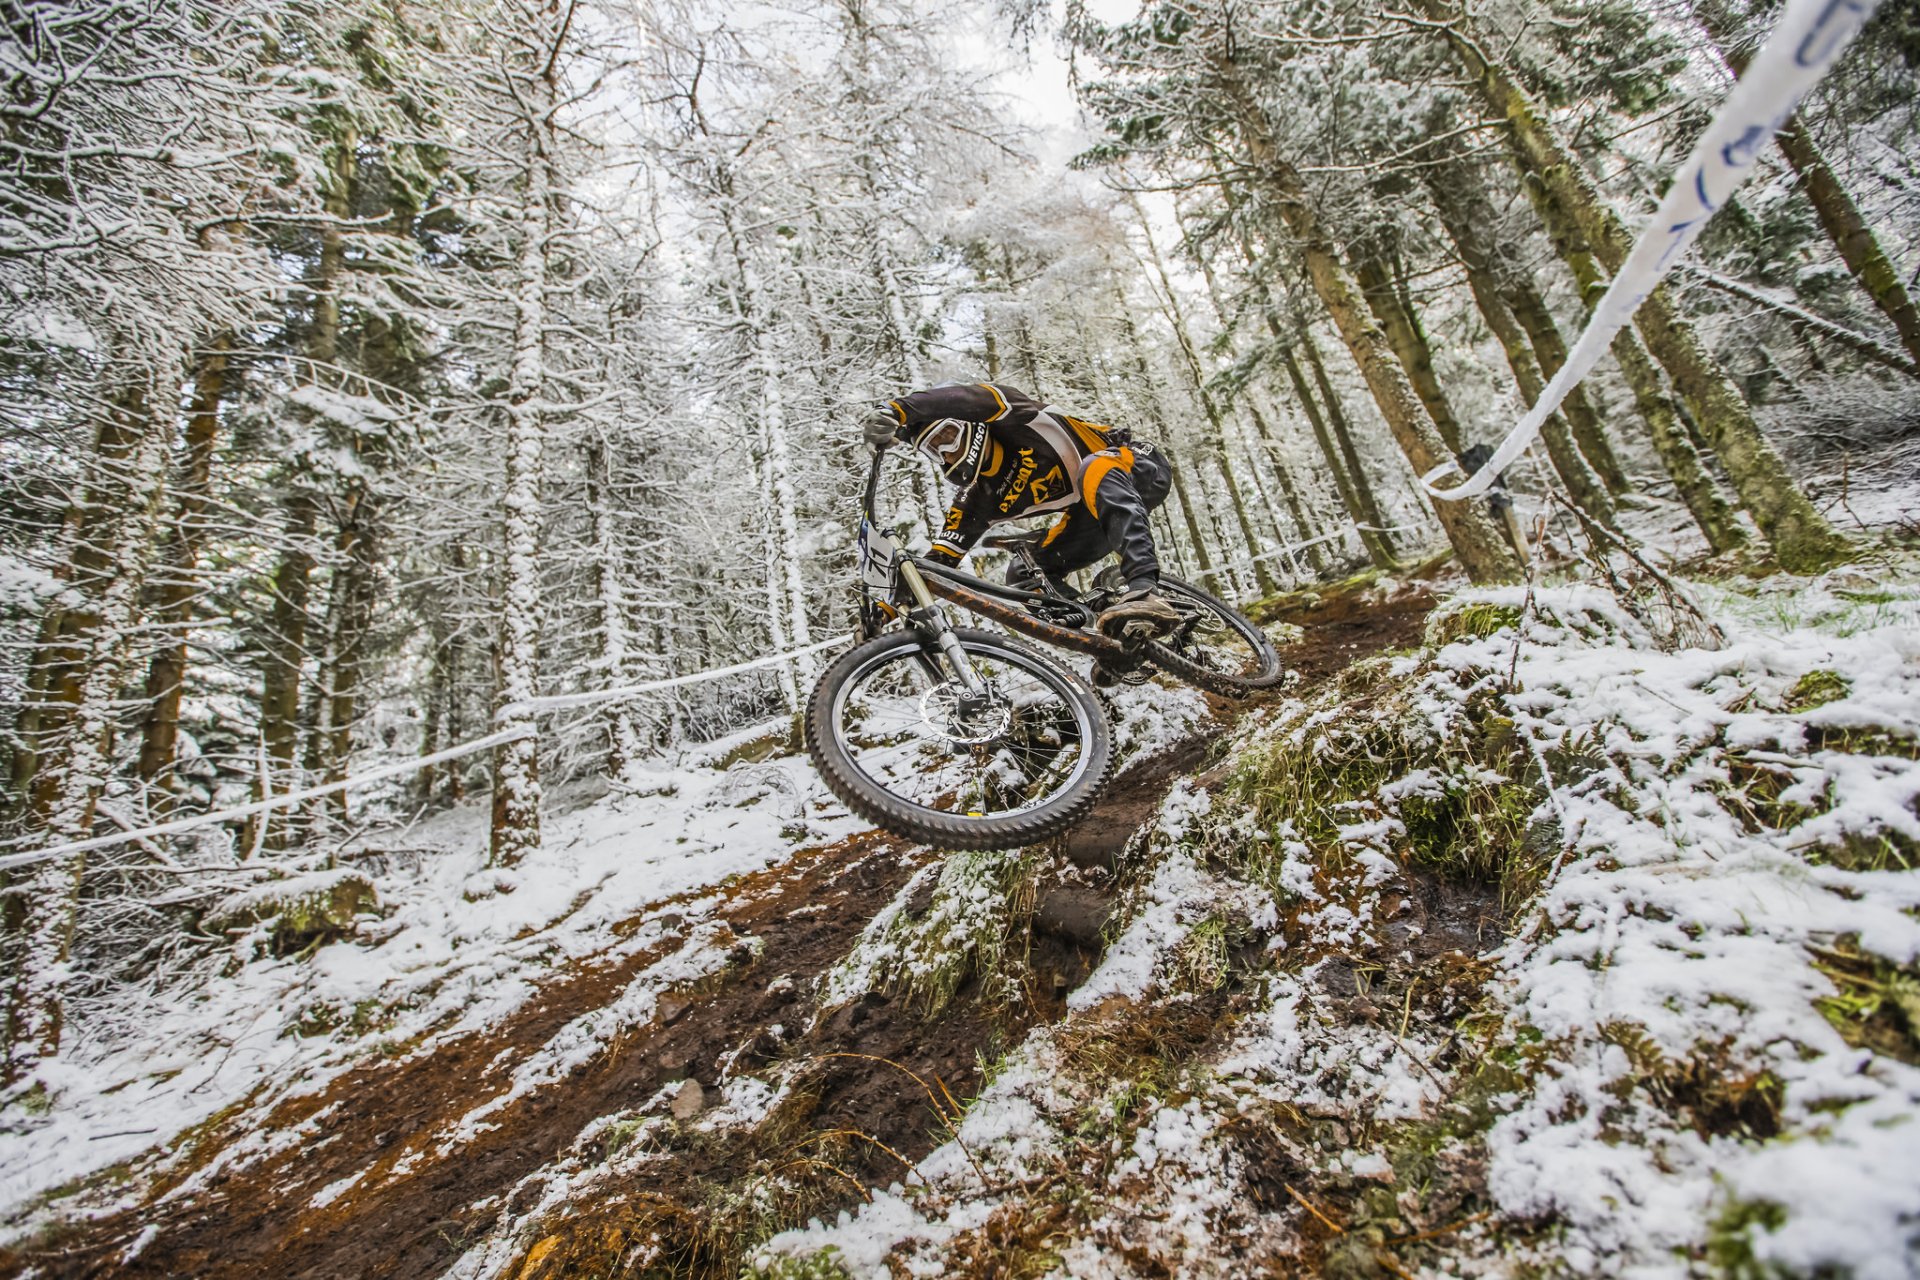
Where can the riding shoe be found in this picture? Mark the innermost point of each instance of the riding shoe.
(1141, 614)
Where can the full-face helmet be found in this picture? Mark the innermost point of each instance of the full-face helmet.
(957, 447)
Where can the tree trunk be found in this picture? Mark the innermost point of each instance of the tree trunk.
(1190, 356)
(1482, 548)
(1672, 441)
(1582, 485)
(1343, 432)
(175, 592)
(1802, 540)
(616, 656)
(356, 590)
(1264, 447)
(59, 666)
(1531, 310)
(1410, 345)
(110, 565)
(516, 765)
(1839, 216)
(288, 620)
(1143, 375)
(1358, 501)
(284, 663)
(1302, 523)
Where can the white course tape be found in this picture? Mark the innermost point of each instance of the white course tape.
(596, 696)
(271, 802)
(1293, 548)
(1811, 34)
(398, 768)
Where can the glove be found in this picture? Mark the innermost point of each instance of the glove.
(878, 426)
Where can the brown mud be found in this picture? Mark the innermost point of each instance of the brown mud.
(875, 1081)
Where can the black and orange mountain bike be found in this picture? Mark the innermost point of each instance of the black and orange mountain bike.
(965, 738)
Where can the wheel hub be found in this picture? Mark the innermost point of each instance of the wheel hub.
(963, 718)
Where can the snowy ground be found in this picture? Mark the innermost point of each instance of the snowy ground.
(453, 949)
(1687, 1047)
(1681, 1025)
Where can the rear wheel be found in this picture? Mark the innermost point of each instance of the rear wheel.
(897, 738)
(1217, 647)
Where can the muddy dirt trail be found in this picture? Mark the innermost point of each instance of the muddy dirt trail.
(367, 1178)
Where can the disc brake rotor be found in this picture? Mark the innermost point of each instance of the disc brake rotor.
(966, 720)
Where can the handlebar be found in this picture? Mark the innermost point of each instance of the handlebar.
(873, 484)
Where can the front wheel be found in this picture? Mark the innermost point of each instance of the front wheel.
(1216, 647)
(896, 737)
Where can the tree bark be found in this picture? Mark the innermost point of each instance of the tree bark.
(356, 590)
(515, 829)
(1264, 447)
(1672, 441)
(1839, 216)
(110, 565)
(616, 647)
(1290, 491)
(1409, 343)
(1550, 349)
(1583, 486)
(176, 590)
(58, 670)
(284, 665)
(1358, 501)
(1482, 549)
(1802, 540)
(1190, 356)
(1143, 375)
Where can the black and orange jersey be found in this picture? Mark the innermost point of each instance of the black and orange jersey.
(1038, 458)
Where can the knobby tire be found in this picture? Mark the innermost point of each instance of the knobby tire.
(868, 798)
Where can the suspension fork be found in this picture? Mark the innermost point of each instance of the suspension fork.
(929, 620)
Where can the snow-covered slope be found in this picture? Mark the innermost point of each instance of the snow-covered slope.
(454, 948)
(1695, 1050)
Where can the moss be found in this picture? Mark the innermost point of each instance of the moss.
(1282, 604)
(1887, 850)
(1816, 689)
(1474, 819)
(979, 906)
(1469, 619)
(620, 1134)
(823, 1265)
(755, 751)
(304, 910)
(1730, 1240)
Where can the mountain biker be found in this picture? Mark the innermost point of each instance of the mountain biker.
(1013, 457)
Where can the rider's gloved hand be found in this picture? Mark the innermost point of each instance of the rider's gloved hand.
(878, 426)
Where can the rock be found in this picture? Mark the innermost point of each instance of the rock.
(920, 900)
(1074, 913)
(313, 907)
(670, 1007)
(689, 1099)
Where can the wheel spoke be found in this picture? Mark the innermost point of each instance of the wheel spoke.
(1006, 753)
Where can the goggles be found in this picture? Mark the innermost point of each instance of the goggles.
(957, 447)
